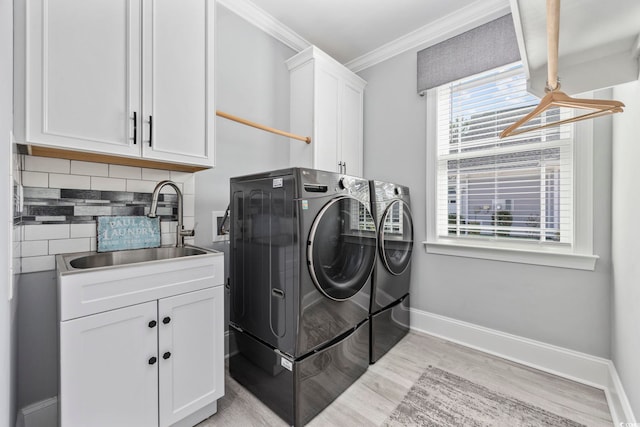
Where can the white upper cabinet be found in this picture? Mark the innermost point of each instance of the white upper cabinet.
(326, 104)
(129, 78)
(178, 80)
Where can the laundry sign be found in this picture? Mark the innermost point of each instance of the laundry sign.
(117, 233)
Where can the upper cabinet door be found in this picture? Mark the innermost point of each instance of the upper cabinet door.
(352, 129)
(178, 112)
(83, 74)
(327, 121)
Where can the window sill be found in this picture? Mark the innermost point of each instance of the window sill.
(513, 254)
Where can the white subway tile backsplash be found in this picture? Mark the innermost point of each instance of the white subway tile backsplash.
(189, 222)
(168, 226)
(117, 171)
(108, 184)
(190, 185)
(83, 230)
(35, 179)
(35, 248)
(89, 168)
(137, 186)
(180, 176)
(46, 231)
(155, 174)
(188, 207)
(78, 182)
(63, 246)
(38, 263)
(46, 164)
(93, 243)
(170, 190)
(168, 239)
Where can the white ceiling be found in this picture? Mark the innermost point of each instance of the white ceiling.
(348, 29)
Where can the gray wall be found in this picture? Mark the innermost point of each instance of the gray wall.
(625, 345)
(37, 338)
(252, 81)
(568, 308)
(7, 308)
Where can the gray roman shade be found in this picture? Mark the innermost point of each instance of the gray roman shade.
(480, 49)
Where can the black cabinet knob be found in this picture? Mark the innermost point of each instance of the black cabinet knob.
(166, 320)
(153, 324)
(166, 355)
(152, 361)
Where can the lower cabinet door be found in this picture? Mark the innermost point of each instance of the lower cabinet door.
(190, 352)
(109, 368)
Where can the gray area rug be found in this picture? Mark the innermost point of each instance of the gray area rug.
(440, 398)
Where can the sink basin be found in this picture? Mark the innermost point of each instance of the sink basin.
(95, 282)
(110, 259)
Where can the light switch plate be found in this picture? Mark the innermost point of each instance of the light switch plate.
(217, 217)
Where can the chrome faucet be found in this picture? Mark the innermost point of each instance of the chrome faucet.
(180, 231)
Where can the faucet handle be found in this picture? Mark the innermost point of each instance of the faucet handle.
(187, 233)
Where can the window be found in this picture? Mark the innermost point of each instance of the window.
(516, 193)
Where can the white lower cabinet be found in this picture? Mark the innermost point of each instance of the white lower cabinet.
(106, 375)
(191, 353)
(158, 363)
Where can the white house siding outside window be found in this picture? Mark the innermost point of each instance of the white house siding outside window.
(501, 195)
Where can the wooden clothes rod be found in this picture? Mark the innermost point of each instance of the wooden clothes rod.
(263, 127)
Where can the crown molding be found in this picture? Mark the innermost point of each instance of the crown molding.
(267, 23)
(477, 13)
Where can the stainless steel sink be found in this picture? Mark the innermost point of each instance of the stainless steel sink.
(110, 259)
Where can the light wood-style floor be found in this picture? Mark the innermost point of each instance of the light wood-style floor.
(370, 400)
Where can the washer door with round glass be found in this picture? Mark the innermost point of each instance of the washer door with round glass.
(396, 237)
(342, 248)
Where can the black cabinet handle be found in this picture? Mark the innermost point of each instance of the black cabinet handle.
(166, 355)
(152, 361)
(153, 324)
(150, 131)
(166, 320)
(135, 128)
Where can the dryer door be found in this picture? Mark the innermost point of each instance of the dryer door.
(396, 237)
(342, 248)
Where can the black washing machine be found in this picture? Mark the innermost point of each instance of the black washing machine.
(391, 207)
(303, 246)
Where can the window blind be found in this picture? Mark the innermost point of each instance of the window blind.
(518, 188)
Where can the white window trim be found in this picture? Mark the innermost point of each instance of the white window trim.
(579, 256)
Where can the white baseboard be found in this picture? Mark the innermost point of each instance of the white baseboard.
(581, 367)
(39, 414)
(619, 405)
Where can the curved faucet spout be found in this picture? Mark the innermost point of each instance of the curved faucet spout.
(180, 231)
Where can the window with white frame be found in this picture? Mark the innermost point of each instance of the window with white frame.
(499, 193)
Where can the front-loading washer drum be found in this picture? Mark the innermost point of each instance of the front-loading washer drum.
(396, 237)
(341, 249)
